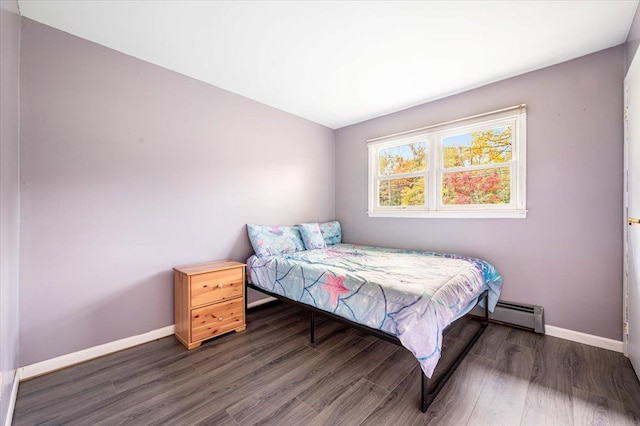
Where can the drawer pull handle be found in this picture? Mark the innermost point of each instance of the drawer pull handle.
(220, 318)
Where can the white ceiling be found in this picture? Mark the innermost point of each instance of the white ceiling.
(339, 63)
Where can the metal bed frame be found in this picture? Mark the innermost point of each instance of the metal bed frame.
(426, 396)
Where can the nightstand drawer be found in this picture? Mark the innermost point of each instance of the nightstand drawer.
(215, 319)
(216, 286)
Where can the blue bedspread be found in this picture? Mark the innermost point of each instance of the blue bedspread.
(410, 294)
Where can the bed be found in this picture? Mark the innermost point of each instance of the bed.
(404, 296)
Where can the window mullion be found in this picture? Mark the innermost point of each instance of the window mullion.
(483, 167)
(434, 165)
(402, 175)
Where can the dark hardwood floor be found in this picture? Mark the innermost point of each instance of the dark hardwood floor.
(271, 374)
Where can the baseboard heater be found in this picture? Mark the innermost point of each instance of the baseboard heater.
(524, 316)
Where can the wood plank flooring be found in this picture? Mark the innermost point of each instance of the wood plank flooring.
(271, 374)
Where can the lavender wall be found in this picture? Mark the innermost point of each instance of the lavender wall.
(567, 254)
(129, 169)
(9, 195)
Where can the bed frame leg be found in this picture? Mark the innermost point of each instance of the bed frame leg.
(486, 309)
(428, 397)
(423, 398)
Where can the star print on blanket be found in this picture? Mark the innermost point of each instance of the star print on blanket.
(334, 286)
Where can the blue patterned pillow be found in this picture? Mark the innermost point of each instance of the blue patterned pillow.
(274, 240)
(312, 236)
(331, 232)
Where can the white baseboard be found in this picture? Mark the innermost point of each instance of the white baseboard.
(587, 339)
(12, 398)
(53, 364)
(261, 302)
(68, 360)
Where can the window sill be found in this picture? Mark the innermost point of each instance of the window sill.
(451, 214)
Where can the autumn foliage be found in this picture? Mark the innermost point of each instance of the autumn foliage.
(473, 172)
(489, 187)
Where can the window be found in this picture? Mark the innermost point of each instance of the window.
(473, 167)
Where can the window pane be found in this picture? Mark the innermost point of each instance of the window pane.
(478, 148)
(489, 186)
(401, 192)
(403, 159)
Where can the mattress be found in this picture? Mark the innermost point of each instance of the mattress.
(412, 295)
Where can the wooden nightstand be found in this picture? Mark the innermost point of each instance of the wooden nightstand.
(209, 300)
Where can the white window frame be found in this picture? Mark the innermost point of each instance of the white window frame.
(433, 135)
